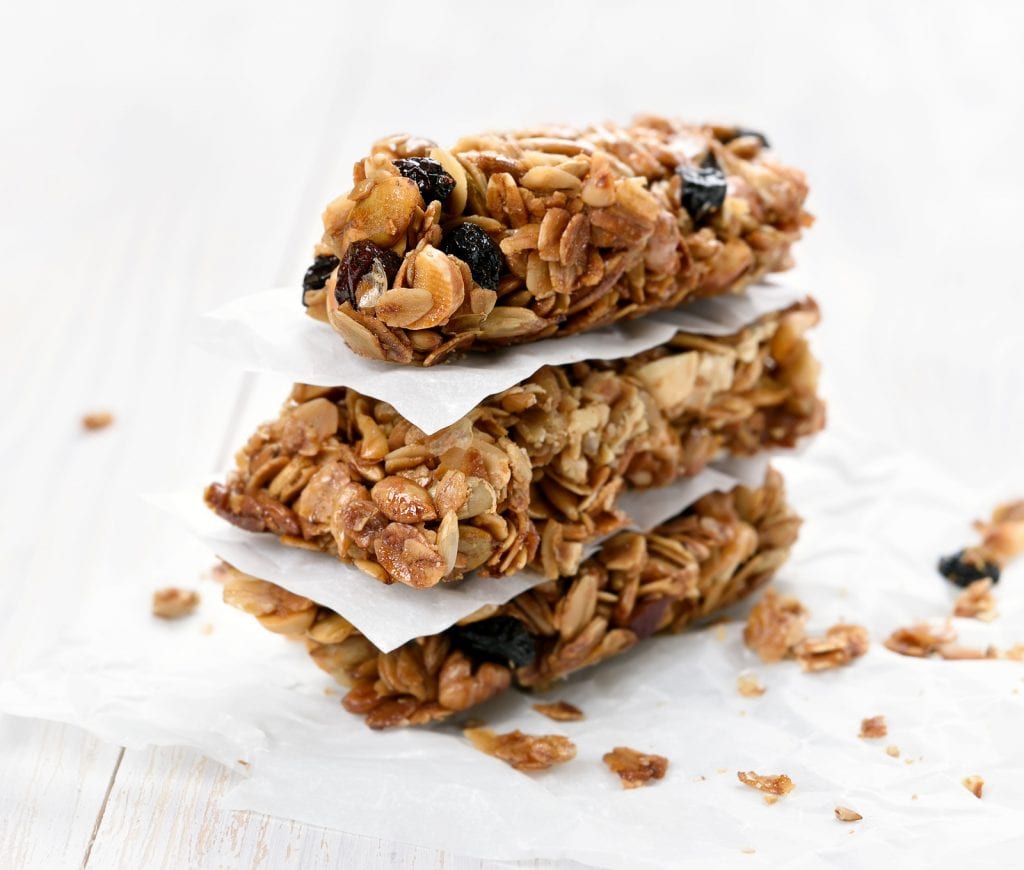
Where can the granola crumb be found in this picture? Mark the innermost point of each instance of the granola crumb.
(523, 751)
(954, 652)
(845, 814)
(635, 768)
(560, 711)
(330, 691)
(96, 420)
(749, 685)
(892, 751)
(243, 762)
(913, 797)
(722, 770)
(974, 784)
(1015, 652)
(841, 645)
(778, 784)
(920, 640)
(774, 626)
(770, 799)
(174, 603)
(721, 633)
(206, 628)
(873, 727)
(976, 601)
(474, 722)
(746, 850)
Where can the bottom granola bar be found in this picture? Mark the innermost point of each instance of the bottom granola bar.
(714, 553)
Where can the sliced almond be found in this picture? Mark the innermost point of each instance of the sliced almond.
(505, 322)
(403, 305)
(438, 275)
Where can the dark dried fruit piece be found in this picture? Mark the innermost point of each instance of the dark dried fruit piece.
(502, 639)
(317, 274)
(703, 191)
(358, 263)
(738, 132)
(475, 248)
(964, 568)
(429, 175)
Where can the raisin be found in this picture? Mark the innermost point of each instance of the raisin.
(358, 262)
(475, 248)
(703, 191)
(317, 274)
(501, 639)
(962, 569)
(737, 132)
(429, 175)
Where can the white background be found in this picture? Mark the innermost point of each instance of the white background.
(159, 159)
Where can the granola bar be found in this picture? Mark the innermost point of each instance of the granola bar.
(517, 236)
(532, 473)
(714, 553)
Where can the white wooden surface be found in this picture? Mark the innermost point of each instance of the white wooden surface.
(157, 159)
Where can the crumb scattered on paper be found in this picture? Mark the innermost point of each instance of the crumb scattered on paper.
(523, 751)
(96, 420)
(778, 784)
(974, 784)
(749, 685)
(841, 645)
(560, 711)
(635, 768)
(775, 625)
(976, 601)
(174, 603)
(845, 814)
(873, 727)
(920, 640)
(893, 751)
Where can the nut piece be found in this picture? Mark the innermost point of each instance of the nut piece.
(174, 603)
(976, 601)
(523, 751)
(974, 784)
(97, 420)
(560, 711)
(845, 814)
(873, 727)
(778, 785)
(437, 274)
(749, 685)
(409, 557)
(403, 501)
(774, 626)
(635, 768)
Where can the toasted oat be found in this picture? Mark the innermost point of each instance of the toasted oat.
(749, 685)
(779, 784)
(560, 711)
(845, 814)
(774, 626)
(174, 603)
(635, 768)
(840, 646)
(956, 652)
(771, 799)
(976, 601)
(892, 751)
(974, 784)
(97, 420)
(1015, 652)
(920, 640)
(873, 727)
(523, 751)
(1003, 534)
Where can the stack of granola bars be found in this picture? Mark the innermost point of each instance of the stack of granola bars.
(439, 256)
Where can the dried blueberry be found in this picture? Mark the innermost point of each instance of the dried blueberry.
(500, 639)
(357, 263)
(963, 569)
(429, 175)
(737, 132)
(474, 247)
(703, 191)
(317, 274)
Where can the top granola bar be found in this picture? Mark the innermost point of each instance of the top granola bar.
(513, 237)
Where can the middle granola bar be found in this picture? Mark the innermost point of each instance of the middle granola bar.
(531, 474)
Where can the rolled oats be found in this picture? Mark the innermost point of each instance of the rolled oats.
(523, 751)
(174, 603)
(97, 420)
(635, 768)
(873, 728)
(921, 640)
(775, 625)
(749, 686)
(974, 784)
(717, 551)
(779, 784)
(845, 814)
(580, 228)
(976, 601)
(530, 475)
(560, 711)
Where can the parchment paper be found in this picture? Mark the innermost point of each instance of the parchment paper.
(270, 332)
(876, 521)
(391, 615)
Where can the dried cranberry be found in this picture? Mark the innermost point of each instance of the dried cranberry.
(317, 274)
(357, 263)
(963, 570)
(703, 191)
(475, 248)
(501, 639)
(738, 132)
(429, 175)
